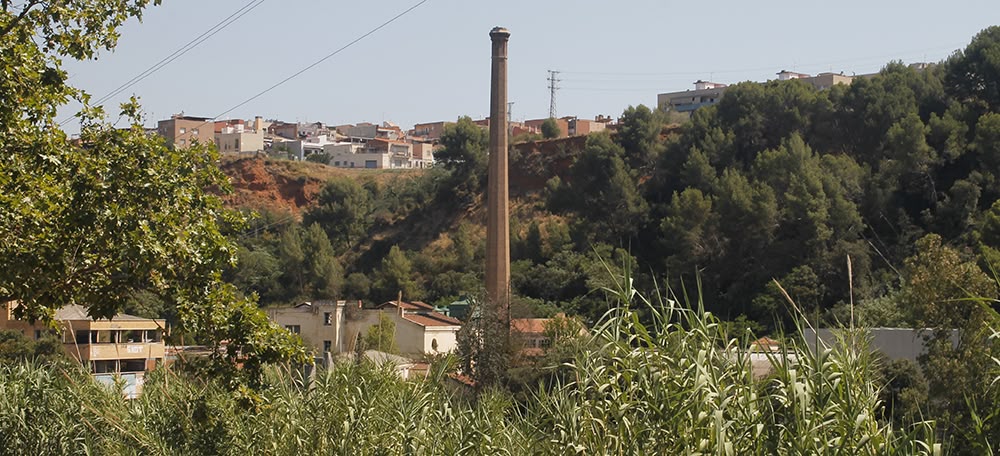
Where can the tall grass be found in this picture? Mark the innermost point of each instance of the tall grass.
(680, 385)
(671, 382)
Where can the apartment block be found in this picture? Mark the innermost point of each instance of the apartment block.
(124, 347)
(235, 136)
(583, 127)
(182, 131)
(429, 131)
(563, 123)
(705, 93)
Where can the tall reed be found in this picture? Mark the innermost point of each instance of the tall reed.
(657, 378)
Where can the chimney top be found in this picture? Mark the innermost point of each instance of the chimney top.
(499, 32)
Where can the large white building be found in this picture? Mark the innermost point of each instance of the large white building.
(334, 326)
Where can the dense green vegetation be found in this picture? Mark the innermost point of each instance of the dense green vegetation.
(114, 220)
(882, 193)
(872, 204)
(778, 180)
(678, 385)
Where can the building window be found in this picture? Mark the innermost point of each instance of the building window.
(133, 365)
(327, 318)
(104, 366)
(327, 345)
(194, 131)
(294, 329)
(183, 130)
(183, 142)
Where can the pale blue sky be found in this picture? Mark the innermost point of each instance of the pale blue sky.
(433, 64)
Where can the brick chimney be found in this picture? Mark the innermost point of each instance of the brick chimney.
(498, 210)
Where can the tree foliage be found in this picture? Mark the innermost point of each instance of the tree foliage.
(98, 220)
(344, 209)
(382, 335)
(464, 154)
(550, 129)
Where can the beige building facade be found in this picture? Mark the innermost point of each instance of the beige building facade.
(125, 347)
(430, 131)
(237, 139)
(563, 123)
(705, 93)
(334, 326)
(583, 127)
(182, 131)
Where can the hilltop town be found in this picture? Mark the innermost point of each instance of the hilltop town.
(802, 265)
(366, 145)
(355, 146)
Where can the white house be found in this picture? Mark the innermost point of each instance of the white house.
(334, 327)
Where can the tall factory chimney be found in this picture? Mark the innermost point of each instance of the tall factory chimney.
(498, 210)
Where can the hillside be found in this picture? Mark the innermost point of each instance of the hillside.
(284, 186)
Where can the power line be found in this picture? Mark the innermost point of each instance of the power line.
(327, 57)
(769, 68)
(221, 25)
(312, 65)
(604, 89)
(553, 87)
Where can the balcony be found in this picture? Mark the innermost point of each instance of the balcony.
(111, 351)
(126, 351)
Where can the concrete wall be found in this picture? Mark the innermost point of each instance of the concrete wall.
(357, 322)
(824, 81)
(181, 132)
(689, 100)
(581, 127)
(229, 143)
(312, 323)
(411, 338)
(342, 148)
(287, 131)
(360, 160)
(361, 131)
(423, 151)
(430, 130)
(447, 340)
(894, 343)
(537, 124)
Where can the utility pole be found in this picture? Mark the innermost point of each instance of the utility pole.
(510, 118)
(553, 87)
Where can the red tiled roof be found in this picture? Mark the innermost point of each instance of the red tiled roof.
(533, 352)
(432, 319)
(765, 343)
(415, 305)
(463, 379)
(388, 141)
(528, 325)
